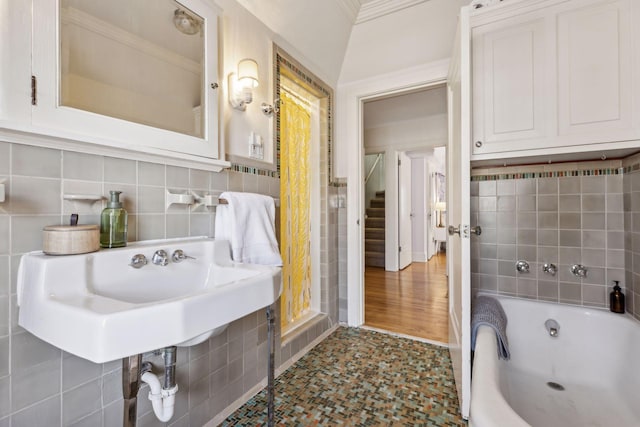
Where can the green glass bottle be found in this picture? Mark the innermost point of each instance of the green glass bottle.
(113, 223)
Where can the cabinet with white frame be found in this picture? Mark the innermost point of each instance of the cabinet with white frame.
(139, 75)
(555, 76)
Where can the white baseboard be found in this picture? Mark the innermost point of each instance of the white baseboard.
(419, 257)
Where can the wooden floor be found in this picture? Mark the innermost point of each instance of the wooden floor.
(413, 301)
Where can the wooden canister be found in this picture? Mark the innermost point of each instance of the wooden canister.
(70, 239)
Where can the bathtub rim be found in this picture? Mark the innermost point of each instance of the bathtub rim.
(489, 408)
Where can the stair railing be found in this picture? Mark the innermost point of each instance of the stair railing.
(373, 168)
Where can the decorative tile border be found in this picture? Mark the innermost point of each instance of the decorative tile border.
(235, 167)
(552, 174)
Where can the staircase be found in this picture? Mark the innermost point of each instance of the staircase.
(374, 232)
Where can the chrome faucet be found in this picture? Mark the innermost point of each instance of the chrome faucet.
(179, 256)
(160, 257)
(552, 327)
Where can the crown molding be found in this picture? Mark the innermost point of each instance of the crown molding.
(377, 8)
(350, 8)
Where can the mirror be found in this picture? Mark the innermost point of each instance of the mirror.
(137, 60)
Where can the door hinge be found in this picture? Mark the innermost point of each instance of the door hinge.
(399, 162)
(399, 248)
(34, 90)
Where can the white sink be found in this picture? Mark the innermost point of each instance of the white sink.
(98, 307)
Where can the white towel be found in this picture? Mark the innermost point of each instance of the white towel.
(247, 222)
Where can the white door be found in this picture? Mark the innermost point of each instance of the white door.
(458, 244)
(404, 210)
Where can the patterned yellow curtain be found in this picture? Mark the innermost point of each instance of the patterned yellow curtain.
(295, 137)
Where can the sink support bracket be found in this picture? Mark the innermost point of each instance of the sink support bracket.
(131, 367)
(271, 342)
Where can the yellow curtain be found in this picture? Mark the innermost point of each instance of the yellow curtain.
(295, 136)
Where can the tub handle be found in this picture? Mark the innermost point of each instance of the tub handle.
(522, 266)
(550, 268)
(579, 270)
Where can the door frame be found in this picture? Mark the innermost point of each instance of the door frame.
(350, 100)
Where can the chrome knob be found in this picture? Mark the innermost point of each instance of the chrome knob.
(179, 256)
(550, 269)
(160, 257)
(477, 230)
(453, 230)
(522, 266)
(138, 261)
(579, 270)
(478, 144)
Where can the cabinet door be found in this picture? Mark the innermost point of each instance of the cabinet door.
(130, 80)
(511, 81)
(594, 72)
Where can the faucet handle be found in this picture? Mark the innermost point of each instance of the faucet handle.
(160, 257)
(579, 270)
(179, 256)
(138, 261)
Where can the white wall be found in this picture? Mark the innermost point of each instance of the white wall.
(245, 36)
(319, 28)
(410, 37)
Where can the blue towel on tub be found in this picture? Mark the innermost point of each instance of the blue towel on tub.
(488, 311)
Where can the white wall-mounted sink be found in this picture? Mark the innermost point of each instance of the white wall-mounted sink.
(98, 307)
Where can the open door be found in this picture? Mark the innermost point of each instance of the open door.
(404, 211)
(458, 217)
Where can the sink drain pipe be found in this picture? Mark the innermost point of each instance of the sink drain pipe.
(163, 398)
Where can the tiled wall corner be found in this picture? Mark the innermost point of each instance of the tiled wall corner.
(631, 195)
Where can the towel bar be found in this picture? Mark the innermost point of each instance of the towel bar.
(225, 202)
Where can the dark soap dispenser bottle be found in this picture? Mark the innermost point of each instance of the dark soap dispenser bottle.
(113, 223)
(616, 299)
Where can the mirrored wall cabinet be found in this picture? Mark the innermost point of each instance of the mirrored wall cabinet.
(138, 75)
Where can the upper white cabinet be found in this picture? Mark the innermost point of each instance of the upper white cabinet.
(137, 75)
(594, 70)
(549, 76)
(510, 84)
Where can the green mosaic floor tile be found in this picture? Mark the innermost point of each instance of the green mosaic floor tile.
(357, 377)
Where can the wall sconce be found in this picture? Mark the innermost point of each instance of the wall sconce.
(241, 84)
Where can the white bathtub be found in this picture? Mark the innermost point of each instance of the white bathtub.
(595, 358)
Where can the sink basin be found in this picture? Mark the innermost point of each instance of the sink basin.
(98, 307)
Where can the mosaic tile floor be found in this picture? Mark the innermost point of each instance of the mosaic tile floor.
(357, 377)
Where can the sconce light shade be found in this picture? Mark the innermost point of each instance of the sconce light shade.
(248, 73)
(242, 83)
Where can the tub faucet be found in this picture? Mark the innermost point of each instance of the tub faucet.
(552, 327)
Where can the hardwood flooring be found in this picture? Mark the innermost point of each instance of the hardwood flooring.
(413, 301)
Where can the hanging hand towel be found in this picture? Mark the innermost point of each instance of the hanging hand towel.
(247, 222)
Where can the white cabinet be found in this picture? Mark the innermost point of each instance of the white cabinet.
(89, 76)
(555, 77)
(594, 71)
(510, 85)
